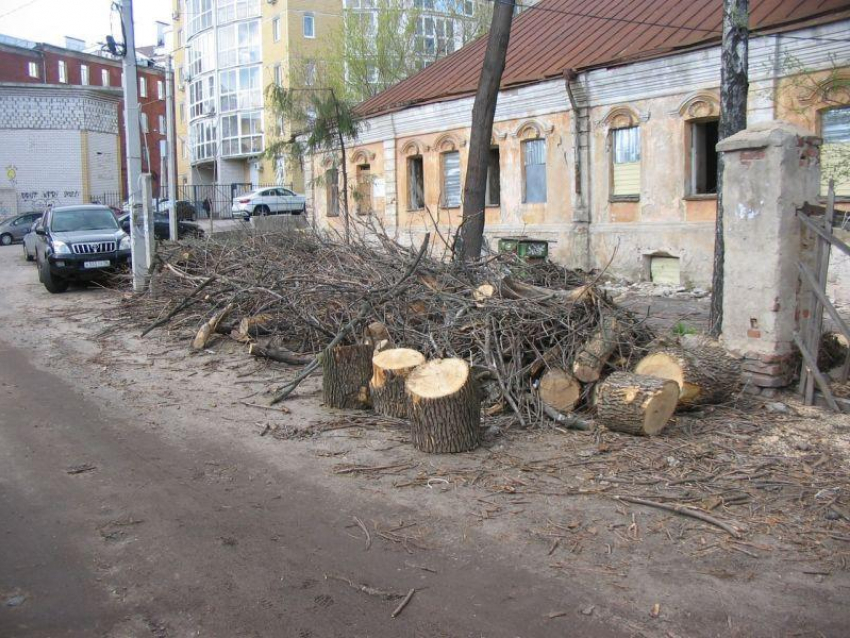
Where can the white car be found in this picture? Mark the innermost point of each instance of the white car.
(268, 201)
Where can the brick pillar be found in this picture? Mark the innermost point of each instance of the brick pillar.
(771, 169)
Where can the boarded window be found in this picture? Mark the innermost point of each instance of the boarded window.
(332, 191)
(664, 269)
(415, 183)
(534, 171)
(704, 138)
(363, 195)
(835, 152)
(451, 179)
(626, 161)
(492, 195)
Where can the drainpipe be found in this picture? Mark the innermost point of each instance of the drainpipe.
(582, 175)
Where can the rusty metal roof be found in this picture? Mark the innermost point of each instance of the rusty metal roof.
(556, 35)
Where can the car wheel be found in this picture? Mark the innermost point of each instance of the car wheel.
(53, 283)
(261, 210)
(5, 239)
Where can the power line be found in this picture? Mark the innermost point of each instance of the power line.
(18, 8)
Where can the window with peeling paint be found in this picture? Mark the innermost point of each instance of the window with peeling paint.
(415, 183)
(492, 194)
(451, 179)
(704, 138)
(835, 151)
(534, 171)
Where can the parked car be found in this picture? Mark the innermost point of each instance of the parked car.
(268, 201)
(29, 241)
(161, 227)
(78, 243)
(14, 228)
(185, 209)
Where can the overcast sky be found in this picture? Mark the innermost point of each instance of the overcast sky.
(90, 20)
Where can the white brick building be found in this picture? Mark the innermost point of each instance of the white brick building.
(58, 145)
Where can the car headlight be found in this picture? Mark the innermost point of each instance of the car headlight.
(60, 248)
(124, 244)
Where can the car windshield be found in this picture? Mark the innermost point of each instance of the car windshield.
(82, 219)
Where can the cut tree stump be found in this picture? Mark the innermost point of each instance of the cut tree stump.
(444, 408)
(390, 368)
(591, 359)
(636, 404)
(559, 390)
(346, 371)
(705, 373)
(378, 336)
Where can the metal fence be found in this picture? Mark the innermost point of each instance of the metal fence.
(195, 201)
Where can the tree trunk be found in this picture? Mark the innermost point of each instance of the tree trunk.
(390, 369)
(705, 373)
(590, 360)
(444, 407)
(734, 84)
(483, 110)
(559, 390)
(346, 371)
(341, 139)
(636, 404)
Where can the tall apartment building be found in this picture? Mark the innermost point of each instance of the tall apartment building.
(226, 53)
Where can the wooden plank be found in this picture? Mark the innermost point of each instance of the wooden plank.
(809, 278)
(832, 239)
(811, 209)
(819, 378)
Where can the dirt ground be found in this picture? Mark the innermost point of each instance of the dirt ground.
(246, 521)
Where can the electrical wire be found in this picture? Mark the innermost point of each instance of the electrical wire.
(18, 8)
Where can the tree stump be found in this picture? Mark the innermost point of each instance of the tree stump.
(705, 373)
(590, 360)
(444, 408)
(390, 368)
(636, 404)
(559, 390)
(346, 371)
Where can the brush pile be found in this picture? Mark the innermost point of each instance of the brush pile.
(289, 296)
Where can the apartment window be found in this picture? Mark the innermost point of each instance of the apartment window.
(143, 87)
(625, 158)
(468, 8)
(434, 36)
(182, 109)
(239, 44)
(415, 183)
(534, 171)
(276, 29)
(200, 54)
(703, 157)
(230, 10)
(309, 25)
(835, 151)
(104, 77)
(143, 119)
(332, 191)
(202, 97)
(32, 69)
(240, 89)
(84, 75)
(451, 179)
(160, 90)
(242, 133)
(278, 77)
(162, 124)
(199, 14)
(63, 72)
(492, 193)
(310, 73)
(202, 140)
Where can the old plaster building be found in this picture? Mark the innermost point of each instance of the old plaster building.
(604, 133)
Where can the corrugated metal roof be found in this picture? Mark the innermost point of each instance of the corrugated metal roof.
(555, 35)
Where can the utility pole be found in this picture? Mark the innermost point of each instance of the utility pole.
(734, 85)
(483, 111)
(139, 225)
(169, 142)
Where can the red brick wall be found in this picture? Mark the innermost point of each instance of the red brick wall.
(13, 68)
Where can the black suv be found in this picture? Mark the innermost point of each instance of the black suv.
(78, 243)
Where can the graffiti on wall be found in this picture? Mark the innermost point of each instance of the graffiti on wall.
(35, 200)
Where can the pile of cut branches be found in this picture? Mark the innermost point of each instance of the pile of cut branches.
(291, 295)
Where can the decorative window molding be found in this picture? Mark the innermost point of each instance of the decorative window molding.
(699, 105)
(411, 148)
(621, 117)
(532, 130)
(361, 156)
(327, 161)
(449, 142)
(833, 89)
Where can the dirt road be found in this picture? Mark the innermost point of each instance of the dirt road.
(137, 498)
